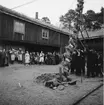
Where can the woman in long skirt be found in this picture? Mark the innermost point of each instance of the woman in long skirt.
(27, 58)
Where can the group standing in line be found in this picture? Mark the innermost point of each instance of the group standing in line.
(28, 58)
(81, 61)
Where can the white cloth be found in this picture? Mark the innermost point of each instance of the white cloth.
(66, 59)
(12, 56)
(41, 57)
(27, 58)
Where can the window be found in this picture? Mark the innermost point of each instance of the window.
(19, 27)
(45, 34)
(19, 30)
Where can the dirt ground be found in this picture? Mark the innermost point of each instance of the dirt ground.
(17, 86)
(94, 99)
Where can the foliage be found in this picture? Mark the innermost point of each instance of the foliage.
(100, 16)
(91, 20)
(46, 20)
(68, 19)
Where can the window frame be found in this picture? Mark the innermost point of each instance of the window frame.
(45, 33)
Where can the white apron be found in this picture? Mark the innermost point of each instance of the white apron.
(12, 56)
(41, 57)
(27, 58)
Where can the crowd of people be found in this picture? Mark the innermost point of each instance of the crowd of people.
(28, 58)
(89, 59)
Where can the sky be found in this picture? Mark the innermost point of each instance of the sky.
(52, 9)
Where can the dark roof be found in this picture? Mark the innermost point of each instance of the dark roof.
(32, 20)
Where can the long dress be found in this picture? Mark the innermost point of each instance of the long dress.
(41, 57)
(12, 56)
(27, 58)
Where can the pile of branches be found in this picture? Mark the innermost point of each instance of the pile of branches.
(54, 80)
(45, 77)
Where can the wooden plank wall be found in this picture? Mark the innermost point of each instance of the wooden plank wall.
(33, 33)
(0, 23)
(7, 27)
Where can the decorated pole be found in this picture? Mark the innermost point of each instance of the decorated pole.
(72, 43)
(79, 11)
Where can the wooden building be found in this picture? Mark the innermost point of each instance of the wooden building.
(20, 31)
(95, 39)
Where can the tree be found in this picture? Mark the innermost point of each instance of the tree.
(100, 16)
(93, 20)
(90, 20)
(72, 19)
(89, 17)
(68, 19)
(46, 20)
